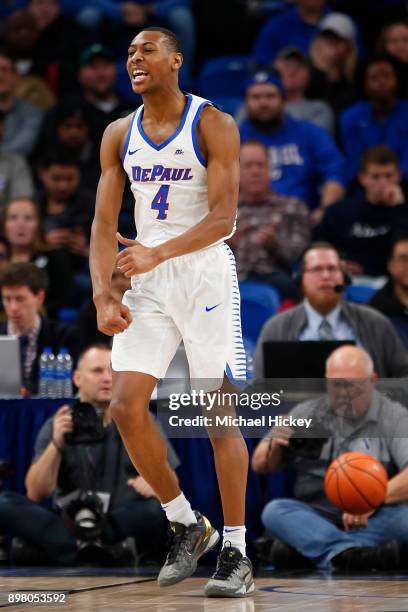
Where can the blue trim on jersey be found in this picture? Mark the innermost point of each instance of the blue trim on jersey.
(170, 138)
(200, 158)
(126, 145)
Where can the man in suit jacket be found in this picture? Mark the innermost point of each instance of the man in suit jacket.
(324, 315)
(23, 288)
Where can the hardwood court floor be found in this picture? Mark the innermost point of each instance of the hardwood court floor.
(289, 593)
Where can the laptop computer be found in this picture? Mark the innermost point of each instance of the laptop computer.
(10, 367)
(298, 359)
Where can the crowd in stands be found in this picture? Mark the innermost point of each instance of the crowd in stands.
(323, 118)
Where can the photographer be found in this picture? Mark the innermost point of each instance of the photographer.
(88, 529)
(353, 416)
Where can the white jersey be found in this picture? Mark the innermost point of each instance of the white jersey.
(169, 180)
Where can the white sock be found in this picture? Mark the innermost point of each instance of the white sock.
(236, 536)
(178, 510)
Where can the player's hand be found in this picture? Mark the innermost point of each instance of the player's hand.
(113, 317)
(136, 258)
(355, 521)
(62, 424)
(141, 486)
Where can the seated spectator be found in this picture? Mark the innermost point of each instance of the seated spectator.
(324, 315)
(309, 525)
(66, 208)
(392, 299)
(22, 119)
(302, 156)
(334, 57)
(68, 129)
(97, 77)
(22, 228)
(294, 27)
(393, 41)
(23, 289)
(272, 230)
(59, 469)
(15, 176)
(87, 322)
(382, 119)
(20, 37)
(361, 226)
(295, 71)
(59, 44)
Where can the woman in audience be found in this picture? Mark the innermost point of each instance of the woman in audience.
(393, 41)
(334, 56)
(23, 230)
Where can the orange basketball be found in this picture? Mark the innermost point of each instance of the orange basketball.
(356, 483)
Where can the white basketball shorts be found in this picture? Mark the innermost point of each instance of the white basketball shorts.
(194, 298)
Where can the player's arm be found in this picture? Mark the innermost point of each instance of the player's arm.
(220, 137)
(113, 317)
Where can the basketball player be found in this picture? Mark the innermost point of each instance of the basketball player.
(181, 157)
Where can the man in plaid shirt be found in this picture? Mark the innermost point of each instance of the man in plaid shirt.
(272, 230)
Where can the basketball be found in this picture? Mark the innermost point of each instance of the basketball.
(356, 483)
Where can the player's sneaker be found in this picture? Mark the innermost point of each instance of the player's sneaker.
(188, 544)
(233, 576)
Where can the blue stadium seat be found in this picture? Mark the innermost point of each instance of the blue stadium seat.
(360, 294)
(228, 104)
(258, 303)
(68, 315)
(224, 76)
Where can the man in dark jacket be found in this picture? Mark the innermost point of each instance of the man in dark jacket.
(361, 226)
(323, 315)
(23, 288)
(392, 299)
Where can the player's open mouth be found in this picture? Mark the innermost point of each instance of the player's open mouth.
(139, 76)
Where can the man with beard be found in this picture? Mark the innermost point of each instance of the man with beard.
(303, 158)
(323, 315)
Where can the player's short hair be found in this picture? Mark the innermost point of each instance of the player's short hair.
(172, 41)
(379, 154)
(24, 274)
(256, 143)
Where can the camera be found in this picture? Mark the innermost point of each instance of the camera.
(84, 516)
(87, 425)
(311, 444)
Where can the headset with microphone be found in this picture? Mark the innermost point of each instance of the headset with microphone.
(298, 276)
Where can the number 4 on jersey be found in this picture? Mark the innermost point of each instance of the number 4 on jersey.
(160, 202)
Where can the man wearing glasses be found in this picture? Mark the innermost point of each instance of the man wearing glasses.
(355, 417)
(324, 315)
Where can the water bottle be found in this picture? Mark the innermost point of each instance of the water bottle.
(59, 374)
(51, 382)
(64, 373)
(44, 372)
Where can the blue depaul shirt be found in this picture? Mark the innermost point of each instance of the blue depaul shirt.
(360, 129)
(284, 30)
(302, 158)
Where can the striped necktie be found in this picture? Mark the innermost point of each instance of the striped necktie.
(326, 330)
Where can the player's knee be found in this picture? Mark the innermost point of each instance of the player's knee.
(124, 411)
